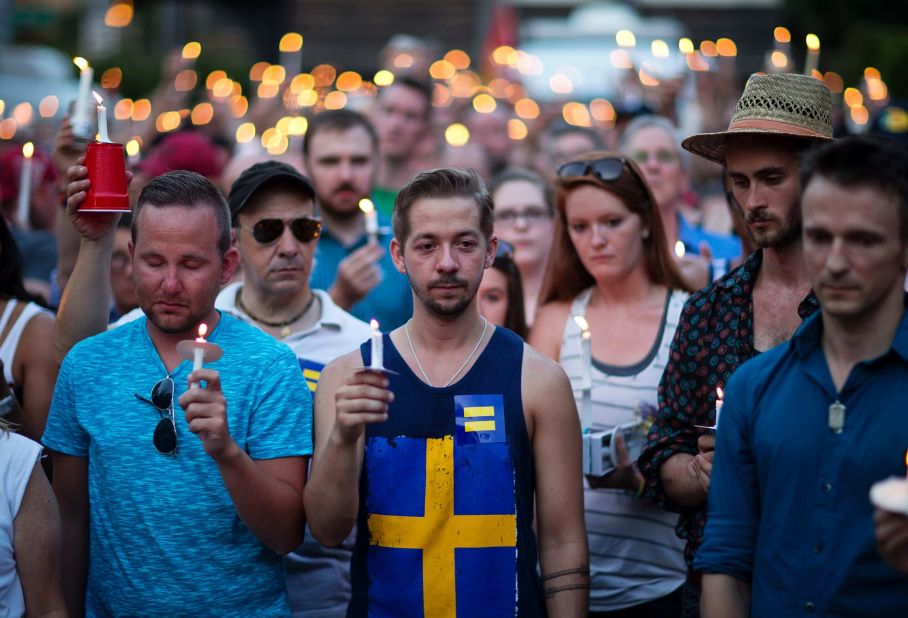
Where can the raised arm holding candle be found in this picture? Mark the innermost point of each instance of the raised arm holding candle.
(106, 165)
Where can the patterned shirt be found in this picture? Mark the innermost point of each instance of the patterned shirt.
(715, 336)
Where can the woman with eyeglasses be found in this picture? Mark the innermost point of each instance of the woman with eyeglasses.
(610, 263)
(524, 219)
(501, 292)
(26, 346)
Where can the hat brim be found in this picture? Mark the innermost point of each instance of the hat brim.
(712, 145)
(297, 179)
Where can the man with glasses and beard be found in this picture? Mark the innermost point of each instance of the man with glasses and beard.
(752, 309)
(340, 151)
(179, 489)
(444, 462)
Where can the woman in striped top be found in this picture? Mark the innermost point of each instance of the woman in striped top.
(610, 264)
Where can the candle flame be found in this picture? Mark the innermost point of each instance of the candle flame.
(906, 458)
(679, 249)
(98, 98)
(80, 62)
(782, 34)
(132, 148)
(582, 323)
(28, 150)
(719, 393)
(813, 42)
(374, 324)
(367, 207)
(203, 329)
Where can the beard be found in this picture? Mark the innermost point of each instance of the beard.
(194, 310)
(343, 212)
(785, 233)
(447, 310)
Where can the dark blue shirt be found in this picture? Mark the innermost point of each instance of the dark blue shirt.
(789, 510)
(390, 302)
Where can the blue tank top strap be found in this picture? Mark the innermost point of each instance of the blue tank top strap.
(447, 495)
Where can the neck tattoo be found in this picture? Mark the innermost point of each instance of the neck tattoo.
(485, 325)
(285, 325)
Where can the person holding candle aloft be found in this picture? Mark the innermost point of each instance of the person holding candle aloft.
(340, 150)
(783, 454)
(234, 464)
(611, 266)
(752, 309)
(471, 432)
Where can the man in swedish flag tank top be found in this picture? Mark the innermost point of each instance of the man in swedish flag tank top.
(444, 463)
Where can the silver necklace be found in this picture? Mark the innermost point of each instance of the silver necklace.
(485, 325)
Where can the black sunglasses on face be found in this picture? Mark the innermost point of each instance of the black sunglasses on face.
(305, 229)
(165, 433)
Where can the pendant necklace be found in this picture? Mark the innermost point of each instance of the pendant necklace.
(485, 325)
(285, 325)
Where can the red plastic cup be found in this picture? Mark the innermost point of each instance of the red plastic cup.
(106, 163)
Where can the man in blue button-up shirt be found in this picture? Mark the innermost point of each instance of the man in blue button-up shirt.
(809, 426)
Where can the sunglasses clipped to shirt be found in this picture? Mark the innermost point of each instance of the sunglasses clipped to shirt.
(165, 432)
(305, 229)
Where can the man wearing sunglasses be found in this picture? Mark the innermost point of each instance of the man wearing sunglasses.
(273, 206)
(179, 489)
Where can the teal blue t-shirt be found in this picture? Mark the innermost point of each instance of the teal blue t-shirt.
(166, 539)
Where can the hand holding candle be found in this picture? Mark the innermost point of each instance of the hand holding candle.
(199, 350)
(368, 209)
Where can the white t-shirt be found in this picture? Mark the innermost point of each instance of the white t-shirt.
(18, 455)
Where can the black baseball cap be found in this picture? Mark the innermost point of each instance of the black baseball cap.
(260, 174)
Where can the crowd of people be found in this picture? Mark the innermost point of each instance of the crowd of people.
(403, 419)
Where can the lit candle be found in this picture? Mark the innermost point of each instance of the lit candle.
(368, 209)
(679, 249)
(813, 54)
(719, 394)
(198, 353)
(81, 120)
(25, 184)
(586, 352)
(377, 353)
(102, 119)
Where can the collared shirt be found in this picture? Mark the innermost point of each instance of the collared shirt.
(789, 510)
(714, 337)
(390, 302)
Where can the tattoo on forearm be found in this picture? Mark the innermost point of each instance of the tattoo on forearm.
(582, 571)
(550, 592)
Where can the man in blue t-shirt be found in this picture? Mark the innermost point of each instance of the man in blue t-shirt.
(179, 488)
(341, 155)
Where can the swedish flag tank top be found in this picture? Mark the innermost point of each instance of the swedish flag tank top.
(446, 496)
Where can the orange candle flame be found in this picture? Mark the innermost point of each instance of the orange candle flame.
(203, 328)
(720, 393)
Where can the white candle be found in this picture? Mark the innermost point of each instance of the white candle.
(368, 209)
(719, 402)
(25, 185)
(102, 119)
(81, 120)
(586, 350)
(198, 353)
(377, 353)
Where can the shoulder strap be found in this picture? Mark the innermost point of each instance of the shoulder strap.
(4, 318)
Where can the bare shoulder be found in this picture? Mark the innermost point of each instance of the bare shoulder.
(542, 377)
(548, 327)
(39, 333)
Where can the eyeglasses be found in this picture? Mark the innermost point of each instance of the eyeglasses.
(165, 432)
(305, 229)
(530, 216)
(661, 156)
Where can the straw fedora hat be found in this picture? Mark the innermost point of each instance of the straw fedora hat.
(782, 104)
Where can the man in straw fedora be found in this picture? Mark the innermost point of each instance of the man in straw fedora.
(752, 309)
